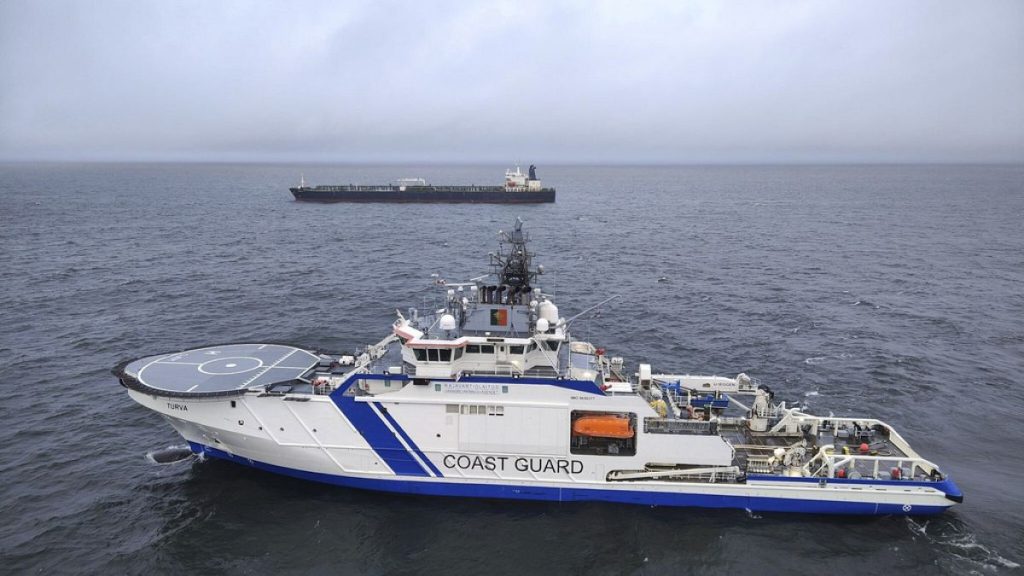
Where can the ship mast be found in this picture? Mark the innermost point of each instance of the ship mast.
(513, 267)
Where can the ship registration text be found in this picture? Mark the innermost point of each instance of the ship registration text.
(519, 463)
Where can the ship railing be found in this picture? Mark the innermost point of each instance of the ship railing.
(710, 475)
(327, 384)
(495, 370)
(865, 423)
(748, 387)
(792, 419)
(675, 426)
(826, 463)
(507, 369)
(358, 188)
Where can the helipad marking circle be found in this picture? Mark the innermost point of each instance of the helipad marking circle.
(230, 365)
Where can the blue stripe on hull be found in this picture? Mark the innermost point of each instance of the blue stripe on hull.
(384, 412)
(372, 428)
(386, 444)
(444, 488)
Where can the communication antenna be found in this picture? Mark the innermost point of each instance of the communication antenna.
(595, 306)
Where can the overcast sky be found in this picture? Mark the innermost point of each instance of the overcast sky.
(547, 81)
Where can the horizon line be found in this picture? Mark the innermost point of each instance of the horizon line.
(623, 163)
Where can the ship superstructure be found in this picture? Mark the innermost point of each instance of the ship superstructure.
(486, 394)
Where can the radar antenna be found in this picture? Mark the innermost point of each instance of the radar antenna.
(513, 267)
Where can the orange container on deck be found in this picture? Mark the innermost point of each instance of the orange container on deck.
(609, 426)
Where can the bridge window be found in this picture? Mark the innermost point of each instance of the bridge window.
(433, 356)
(458, 353)
(472, 349)
(488, 349)
(421, 354)
(516, 349)
(446, 355)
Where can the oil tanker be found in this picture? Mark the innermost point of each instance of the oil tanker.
(519, 188)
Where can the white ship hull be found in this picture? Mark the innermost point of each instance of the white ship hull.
(312, 439)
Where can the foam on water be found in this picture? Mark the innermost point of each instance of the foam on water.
(170, 455)
(965, 552)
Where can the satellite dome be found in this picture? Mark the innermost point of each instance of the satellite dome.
(542, 325)
(447, 322)
(548, 311)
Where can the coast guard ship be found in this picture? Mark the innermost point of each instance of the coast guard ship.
(486, 394)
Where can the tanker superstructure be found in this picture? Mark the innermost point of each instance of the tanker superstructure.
(484, 393)
(519, 188)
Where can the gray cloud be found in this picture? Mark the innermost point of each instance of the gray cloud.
(665, 81)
